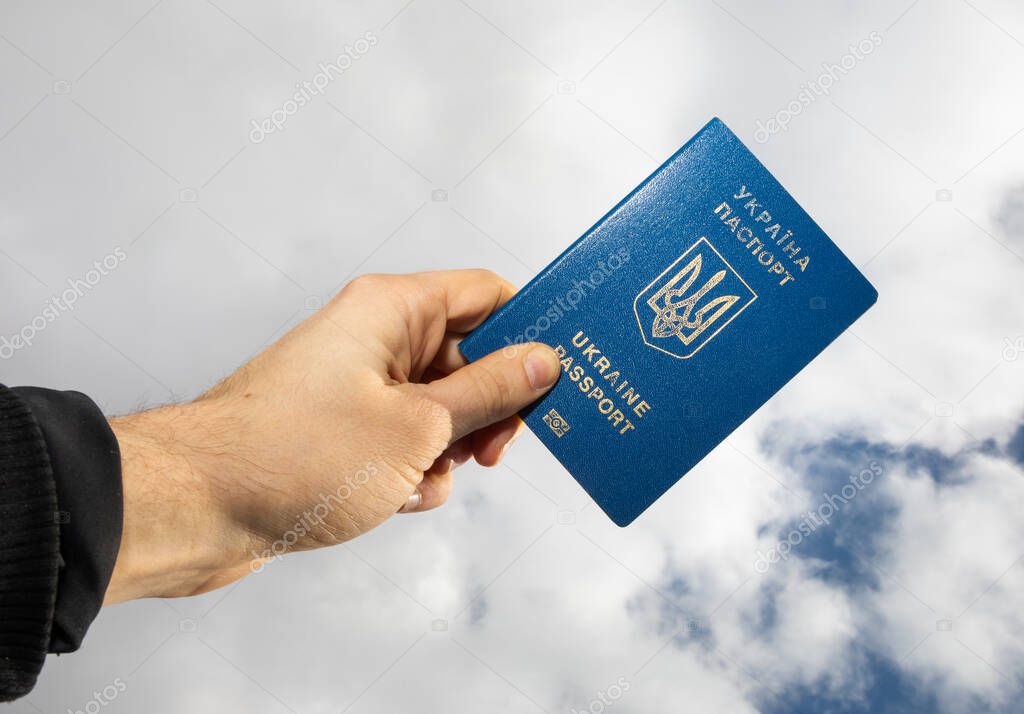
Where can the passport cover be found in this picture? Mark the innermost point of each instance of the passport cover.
(676, 316)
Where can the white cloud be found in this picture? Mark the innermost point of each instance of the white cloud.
(672, 603)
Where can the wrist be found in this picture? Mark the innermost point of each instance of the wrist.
(176, 540)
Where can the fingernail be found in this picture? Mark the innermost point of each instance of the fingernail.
(541, 367)
(413, 503)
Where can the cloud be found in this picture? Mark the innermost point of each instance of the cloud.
(492, 603)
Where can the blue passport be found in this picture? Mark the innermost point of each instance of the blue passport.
(676, 316)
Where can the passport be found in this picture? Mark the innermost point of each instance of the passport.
(676, 316)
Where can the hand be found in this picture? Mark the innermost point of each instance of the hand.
(358, 413)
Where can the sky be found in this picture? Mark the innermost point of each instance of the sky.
(158, 140)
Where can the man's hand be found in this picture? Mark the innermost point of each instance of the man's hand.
(360, 412)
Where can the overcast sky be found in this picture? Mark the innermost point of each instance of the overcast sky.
(487, 133)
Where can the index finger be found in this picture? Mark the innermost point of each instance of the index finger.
(468, 296)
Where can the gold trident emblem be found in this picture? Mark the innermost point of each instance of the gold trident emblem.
(674, 316)
(688, 309)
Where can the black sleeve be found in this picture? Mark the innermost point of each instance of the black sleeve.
(61, 515)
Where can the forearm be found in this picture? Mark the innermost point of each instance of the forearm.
(176, 541)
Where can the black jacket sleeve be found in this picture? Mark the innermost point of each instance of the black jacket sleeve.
(61, 515)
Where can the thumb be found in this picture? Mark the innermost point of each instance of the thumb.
(496, 386)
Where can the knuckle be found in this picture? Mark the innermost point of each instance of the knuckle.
(427, 421)
(489, 275)
(422, 412)
(367, 282)
(494, 277)
(428, 410)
